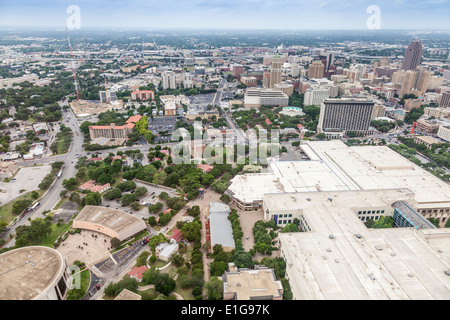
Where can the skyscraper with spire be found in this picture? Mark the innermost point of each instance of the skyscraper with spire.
(413, 55)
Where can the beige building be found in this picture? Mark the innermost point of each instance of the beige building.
(426, 140)
(427, 126)
(316, 70)
(415, 82)
(444, 133)
(275, 70)
(251, 284)
(249, 81)
(257, 97)
(112, 131)
(437, 112)
(378, 111)
(286, 88)
(111, 222)
(170, 108)
(33, 273)
(412, 104)
(126, 294)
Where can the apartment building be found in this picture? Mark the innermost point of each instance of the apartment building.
(345, 115)
(112, 131)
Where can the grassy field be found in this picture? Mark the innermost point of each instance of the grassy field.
(56, 232)
(6, 210)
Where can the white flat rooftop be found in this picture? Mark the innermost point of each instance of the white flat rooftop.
(380, 264)
(335, 166)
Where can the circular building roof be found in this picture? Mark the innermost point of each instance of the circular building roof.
(28, 272)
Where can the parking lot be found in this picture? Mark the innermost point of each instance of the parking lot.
(27, 179)
(160, 124)
(202, 99)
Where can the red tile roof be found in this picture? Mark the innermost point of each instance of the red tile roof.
(134, 118)
(98, 188)
(87, 185)
(205, 167)
(176, 235)
(137, 272)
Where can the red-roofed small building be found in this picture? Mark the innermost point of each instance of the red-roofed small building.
(116, 158)
(176, 235)
(268, 121)
(164, 151)
(100, 189)
(95, 159)
(205, 167)
(87, 185)
(137, 272)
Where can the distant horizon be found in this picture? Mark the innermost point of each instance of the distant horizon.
(62, 28)
(229, 14)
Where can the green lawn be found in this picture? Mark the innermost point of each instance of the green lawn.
(6, 210)
(56, 232)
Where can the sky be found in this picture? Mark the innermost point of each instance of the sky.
(230, 14)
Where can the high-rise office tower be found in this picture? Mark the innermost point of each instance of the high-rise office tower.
(316, 70)
(345, 115)
(169, 80)
(413, 55)
(445, 100)
(275, 70)
(415, 82)
(187, 81)
(295, 70)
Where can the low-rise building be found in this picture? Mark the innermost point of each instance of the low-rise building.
(111, 222)
(259, 283)
(427, 126)
(257, 97)
(220, 229)
(165, 250)
(143, 95)
(444, 133)
(426, 140)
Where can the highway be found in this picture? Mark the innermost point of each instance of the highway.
(51, 196)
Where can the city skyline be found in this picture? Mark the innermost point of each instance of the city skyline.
(219, 14)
